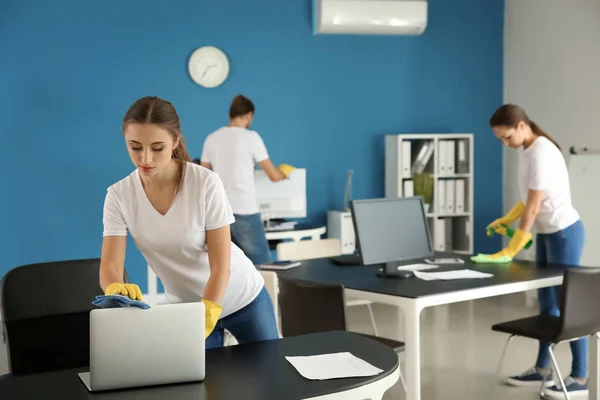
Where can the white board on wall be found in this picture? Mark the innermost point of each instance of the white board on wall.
(584, 175)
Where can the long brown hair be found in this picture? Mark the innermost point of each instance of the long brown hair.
(510, 115)
(154, 110)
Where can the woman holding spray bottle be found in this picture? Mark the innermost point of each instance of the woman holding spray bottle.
(544, 189)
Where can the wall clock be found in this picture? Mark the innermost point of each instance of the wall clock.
(208, 66)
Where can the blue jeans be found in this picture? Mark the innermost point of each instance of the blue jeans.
(562, 247)
(253, 323)
(248, 233)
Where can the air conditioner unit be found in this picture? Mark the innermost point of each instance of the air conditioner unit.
(370, 17)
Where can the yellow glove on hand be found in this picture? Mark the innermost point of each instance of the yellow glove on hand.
(286, 169)
(212, 312)
(514, 214)
(516, 244)
(124, 289)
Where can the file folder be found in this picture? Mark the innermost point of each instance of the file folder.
(459, 203)
(439, 235)
(450, 190)
(441, 196)
(450, 151)
(462, 157)
(405, 159)
(442, 163)
(408, 188)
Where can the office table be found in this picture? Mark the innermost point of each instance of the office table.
(299, 232)
(251, 372)
(413, 295)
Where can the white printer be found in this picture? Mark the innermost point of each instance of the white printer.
(340, 226)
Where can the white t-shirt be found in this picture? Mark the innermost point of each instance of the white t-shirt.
(174, 244)
(542, 167)
(233, 152)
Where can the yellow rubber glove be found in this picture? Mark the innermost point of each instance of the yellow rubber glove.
(516, 244)
(212, 312)
(514, 214)
(125, 289)
(286, 169)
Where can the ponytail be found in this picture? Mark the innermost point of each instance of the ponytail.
(511, 115)
(180, 154)
(540, 132)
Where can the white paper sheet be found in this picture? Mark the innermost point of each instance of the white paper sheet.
(451, 275)
(332, 366)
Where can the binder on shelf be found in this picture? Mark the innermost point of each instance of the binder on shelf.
(450, 151)
(461, 234)
(448, 234)
(441, 196)
(459, 203)
(439, 234)
(408, 188)
(450, 190)
(405, 159)
(423, 155)
(462, 156)
(442, 163)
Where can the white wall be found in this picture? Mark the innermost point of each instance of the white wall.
(552, 70)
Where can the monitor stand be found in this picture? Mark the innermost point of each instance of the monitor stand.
(401, 270)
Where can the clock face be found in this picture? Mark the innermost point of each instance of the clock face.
(208, 66)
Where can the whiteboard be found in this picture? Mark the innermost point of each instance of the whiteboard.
(584, 176)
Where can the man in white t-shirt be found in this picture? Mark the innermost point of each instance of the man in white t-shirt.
(232, 152)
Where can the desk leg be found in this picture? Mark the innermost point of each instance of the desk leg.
(412, 328)
(593, 368)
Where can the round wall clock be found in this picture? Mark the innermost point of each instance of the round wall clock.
(208, 66)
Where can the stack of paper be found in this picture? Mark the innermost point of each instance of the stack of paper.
(450, 275)
(332, 366)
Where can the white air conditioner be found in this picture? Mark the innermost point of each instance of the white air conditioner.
(370, 17)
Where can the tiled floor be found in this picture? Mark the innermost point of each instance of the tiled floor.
(459, 351)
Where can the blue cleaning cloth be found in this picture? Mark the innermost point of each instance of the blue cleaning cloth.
(116, 300)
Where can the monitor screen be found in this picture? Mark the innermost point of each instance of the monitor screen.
(389, 230)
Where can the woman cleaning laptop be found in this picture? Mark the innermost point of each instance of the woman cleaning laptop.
(179, 217)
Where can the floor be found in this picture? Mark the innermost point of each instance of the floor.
(460, 352)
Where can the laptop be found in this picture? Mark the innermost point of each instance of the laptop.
(131, 347)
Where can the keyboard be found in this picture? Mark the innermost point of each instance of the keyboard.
(416, 267)
(346, 259)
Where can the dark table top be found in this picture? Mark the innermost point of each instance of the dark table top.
(248, 372)
(364, 278)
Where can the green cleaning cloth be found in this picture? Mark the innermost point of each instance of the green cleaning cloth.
(485, 258)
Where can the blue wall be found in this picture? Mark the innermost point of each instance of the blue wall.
(68, 75)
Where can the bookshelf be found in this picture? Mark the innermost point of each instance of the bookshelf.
(439, 168)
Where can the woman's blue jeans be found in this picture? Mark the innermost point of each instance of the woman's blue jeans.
(253, 323)
(562, 247)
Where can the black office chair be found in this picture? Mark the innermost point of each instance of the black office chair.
(45, 314)
(308, 307)
(579, 316)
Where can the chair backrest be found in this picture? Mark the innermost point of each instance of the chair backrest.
(310, 307)
(580, 311)
(308, 249)
(272, 286)
(45, 314)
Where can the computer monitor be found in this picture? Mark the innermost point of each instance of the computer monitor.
(283, 199)
(391, 231)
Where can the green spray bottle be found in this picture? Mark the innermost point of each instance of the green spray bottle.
(509, 233)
